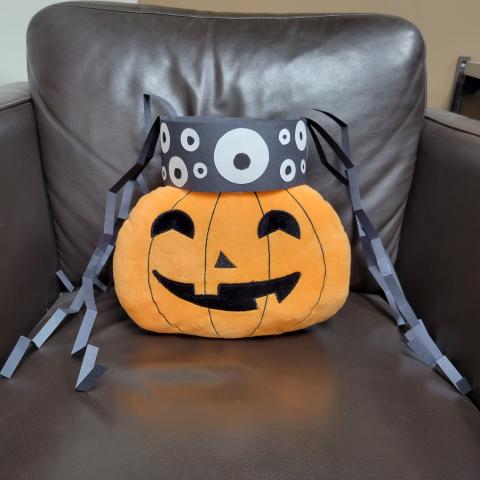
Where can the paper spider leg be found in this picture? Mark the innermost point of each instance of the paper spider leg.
(147, 109)
(65, 281)
(90, 372)
(378, 260)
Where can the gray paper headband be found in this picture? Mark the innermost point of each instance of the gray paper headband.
(228, 154)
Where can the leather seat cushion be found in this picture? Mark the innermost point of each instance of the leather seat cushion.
(344, 399)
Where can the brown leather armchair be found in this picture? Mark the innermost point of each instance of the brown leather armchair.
(344, 399)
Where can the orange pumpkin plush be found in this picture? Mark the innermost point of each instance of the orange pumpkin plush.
(231, 264)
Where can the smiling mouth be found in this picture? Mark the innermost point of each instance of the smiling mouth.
(235, 297)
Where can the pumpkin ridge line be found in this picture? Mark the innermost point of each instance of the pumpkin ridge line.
(268, 252)
(323, 257)
(150, 289)
(179, 200)
(148, 272)
(205, 260)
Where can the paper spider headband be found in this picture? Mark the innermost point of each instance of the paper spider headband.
(227, 154)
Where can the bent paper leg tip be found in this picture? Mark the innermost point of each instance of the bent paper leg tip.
(15, 357)
(449, 371)
(91, 379)
(90, 372)
(77, 351)
(463, 386)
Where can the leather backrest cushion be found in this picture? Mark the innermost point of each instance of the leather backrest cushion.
(89, 64)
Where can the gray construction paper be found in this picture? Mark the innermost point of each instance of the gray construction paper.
(90, 371)
(100, 285)
(85, 295)
(15, 357)
(371, 264)
(61, 275)
(142, 184)
(50, 326)
(380, 265)
(57, 318)
(147, 109)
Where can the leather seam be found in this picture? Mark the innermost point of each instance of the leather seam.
(15, 103)
(230, 15)
(456, 129)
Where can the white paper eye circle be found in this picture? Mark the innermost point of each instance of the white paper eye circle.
(164, 173)
(200, 170)
(189, 139)
(178, 171)
(164, 138)
(284, 136)
(301, 135)
(303, 166)
(287, 170)
(241, 155)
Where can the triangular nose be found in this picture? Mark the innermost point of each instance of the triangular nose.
(224, 262)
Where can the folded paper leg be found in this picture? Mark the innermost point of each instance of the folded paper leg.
(21, 347)
(90, 372)
(378, 260)
(84, 332)
(65, 281)
(15, 357)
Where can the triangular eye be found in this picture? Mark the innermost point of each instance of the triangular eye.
(173, 220)
(278, 220)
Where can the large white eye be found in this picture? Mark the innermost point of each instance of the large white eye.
(284, 136)
(241, 155)
(189, 139)
(200, 170)
(164, 138)
(301, 135)
(287, 170)
(178, 171)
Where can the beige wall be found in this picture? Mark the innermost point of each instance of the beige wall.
(450, 28)
(14, 18)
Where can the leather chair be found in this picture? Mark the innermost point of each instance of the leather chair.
(344, 399)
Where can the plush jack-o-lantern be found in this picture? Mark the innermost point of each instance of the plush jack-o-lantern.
(261, 254)
(231, 264)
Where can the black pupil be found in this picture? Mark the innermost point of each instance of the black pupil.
(301, 135)
(190, 140)
(200, 170)
(164, 137)
(177, 173)
(288, 169)
(241, 161)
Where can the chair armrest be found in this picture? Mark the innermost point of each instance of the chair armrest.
(439, 255)
(28, 257)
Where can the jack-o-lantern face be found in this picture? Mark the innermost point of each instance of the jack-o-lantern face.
(235, 297)
(231, 264)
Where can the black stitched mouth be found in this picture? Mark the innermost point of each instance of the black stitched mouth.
(235, 297)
